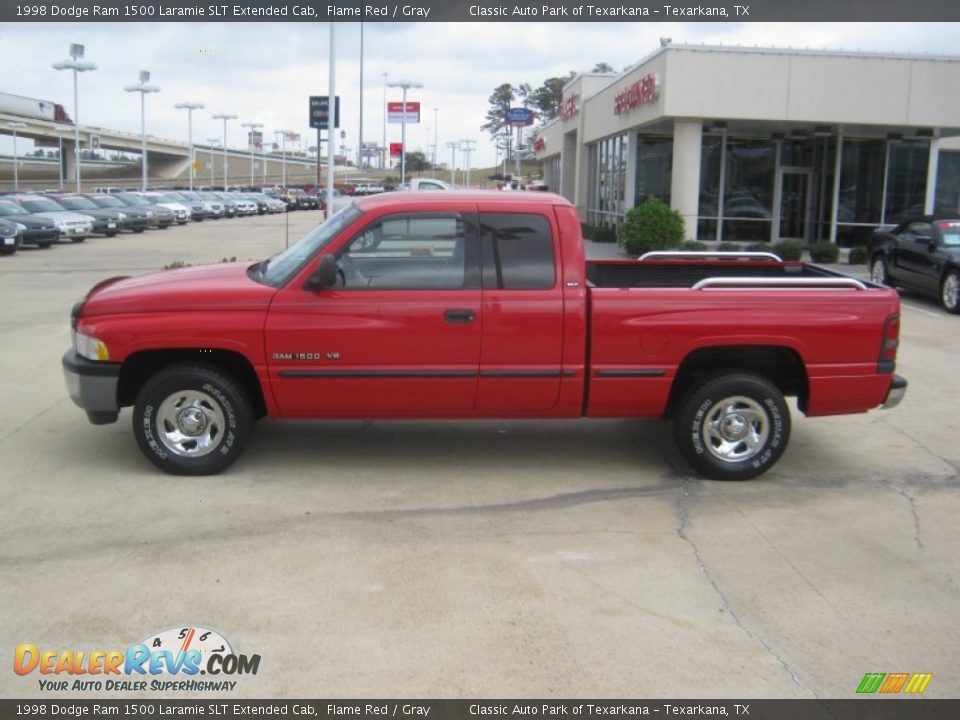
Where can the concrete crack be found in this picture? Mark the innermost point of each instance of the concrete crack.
(683, 515)
(912, 502)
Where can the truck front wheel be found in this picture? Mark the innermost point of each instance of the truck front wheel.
(733, 426)
(192, 420)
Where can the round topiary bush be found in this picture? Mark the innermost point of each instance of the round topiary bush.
(729, 247)
(693, 245)
(858, 255)
(788, 250)
(587, 231)
(824, 252)
(651, 226)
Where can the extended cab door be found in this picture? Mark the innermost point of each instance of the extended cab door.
(400, 334)
(521, 361)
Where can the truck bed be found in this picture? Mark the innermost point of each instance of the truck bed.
(682, 273)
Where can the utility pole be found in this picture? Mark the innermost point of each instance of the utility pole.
(465, 145)
(454, 146)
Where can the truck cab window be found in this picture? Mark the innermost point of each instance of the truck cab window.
(517, 251)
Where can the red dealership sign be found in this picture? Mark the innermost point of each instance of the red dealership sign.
(396, 149)
(397, 114)
(644, 90)
(539, 144)
(568, 107)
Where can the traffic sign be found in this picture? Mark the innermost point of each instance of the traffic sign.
(519, 117)
(320, 112)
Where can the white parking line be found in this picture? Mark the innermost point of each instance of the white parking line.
(919, 309)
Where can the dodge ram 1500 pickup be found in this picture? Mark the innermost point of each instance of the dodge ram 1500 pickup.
(481, 305)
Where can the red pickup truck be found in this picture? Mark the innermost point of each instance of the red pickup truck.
(480, 305)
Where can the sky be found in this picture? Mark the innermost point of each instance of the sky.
(265, 72)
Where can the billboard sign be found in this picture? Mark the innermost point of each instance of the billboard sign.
(396, 149)
(519, 117)
(255, 141)
(397, 114)
(320, 112)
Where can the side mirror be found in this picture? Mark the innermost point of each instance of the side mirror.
(325, 275)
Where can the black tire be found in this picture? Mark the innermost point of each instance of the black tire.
(46, 245)
(113, 234)
(78, 239)
(8, 250)
(139, 230)
(880, 271)
(740, 415)
(208, 409)
(950, 292)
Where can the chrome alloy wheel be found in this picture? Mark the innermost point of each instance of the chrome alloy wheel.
(878, 272)
(735, 429)
(950, 293)
(190, 423)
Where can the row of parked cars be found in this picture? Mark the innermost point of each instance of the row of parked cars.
(42, 219)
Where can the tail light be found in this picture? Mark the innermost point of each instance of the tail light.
(887, 362)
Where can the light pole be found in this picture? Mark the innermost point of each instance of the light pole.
(283, 155)
(77, 64)
(213, 142)
(60, 129)
(465, 144)
(453, 162)
(224, 117)
(436, 131)
(190, 107)
(404, 85)
(332, 113)
(383, 147)
(253, 129)
(360, 136)
(14, 126)
(143, 88)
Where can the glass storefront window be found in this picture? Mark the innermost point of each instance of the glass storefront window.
(709, 186)
(948, 182)
(906, 179)
(608, 174)
(748, 189)
(654, 168)
(861, 181)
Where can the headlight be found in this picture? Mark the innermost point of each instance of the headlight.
(90, 347)
(62, 225)
(21, 228)
(121, 216)
(149, 213)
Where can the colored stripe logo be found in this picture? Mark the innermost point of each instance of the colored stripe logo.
(892, 683)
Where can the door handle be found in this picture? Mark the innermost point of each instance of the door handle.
(459, 317)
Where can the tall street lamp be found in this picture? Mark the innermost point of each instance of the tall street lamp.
(436, 132)
(14, 126)
(60, 129)
(404, 85)
(454, 146)
(190, 107)
(143, 88)
(283, 153)
(214, 142)
(253, 129)
(224, 117)
(77, 64)
(466, 160)
(383, 147)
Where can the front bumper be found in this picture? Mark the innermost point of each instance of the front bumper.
(40, 236)
(102, 227)
(898, 388)
(76, 230)
(92, 387)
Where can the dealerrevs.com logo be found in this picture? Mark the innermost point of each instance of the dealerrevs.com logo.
(170, 661)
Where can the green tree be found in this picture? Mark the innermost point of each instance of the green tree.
(417, 161)
(547, 98)
(500, 101)
(602, 67)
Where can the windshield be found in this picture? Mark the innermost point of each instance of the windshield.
(951, 233)
(42, 206)
(76, 203)
(106, 202)
(130, 199)
(11, 209)
(284, 266)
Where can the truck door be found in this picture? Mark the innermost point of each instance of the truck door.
(522, 351)
(398, 337)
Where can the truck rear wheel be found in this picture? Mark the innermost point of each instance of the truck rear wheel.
(732, 426)
(192, 420)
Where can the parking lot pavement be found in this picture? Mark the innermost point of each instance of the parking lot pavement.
(529, 559)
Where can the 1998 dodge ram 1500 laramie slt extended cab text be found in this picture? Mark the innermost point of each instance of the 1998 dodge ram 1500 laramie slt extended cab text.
(480, 305)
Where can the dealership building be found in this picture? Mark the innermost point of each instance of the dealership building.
(761, 144)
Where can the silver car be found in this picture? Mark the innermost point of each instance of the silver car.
(72, 225)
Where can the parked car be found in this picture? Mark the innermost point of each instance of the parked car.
(162, 217)
(72, 225)
(259, 200)
(229, 202)
(245, 206)
(398, 307)
(215, 207)
(106, 221)
(10, 238)
(305, 200)
(39, 231)
(181, 213)
(137, 219)
(199, 210)
(922, 254)
(425, 184)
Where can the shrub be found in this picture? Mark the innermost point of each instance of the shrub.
(858, 255)
(651, 226)
(605, 234)
(729, 247)
(824, 252)
(587, 231)
(788, 250)
(693, 245)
